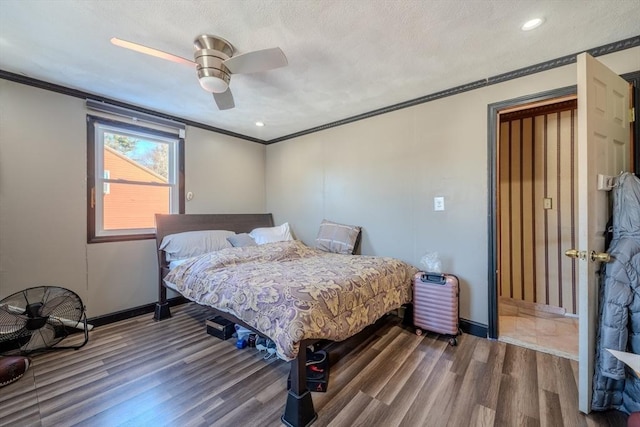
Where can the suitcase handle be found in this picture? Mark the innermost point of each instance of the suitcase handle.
(437, 278)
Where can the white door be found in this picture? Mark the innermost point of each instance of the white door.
(603, 148)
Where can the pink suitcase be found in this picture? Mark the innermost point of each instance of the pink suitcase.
(435, 304)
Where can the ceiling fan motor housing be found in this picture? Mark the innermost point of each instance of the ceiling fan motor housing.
(209, 56)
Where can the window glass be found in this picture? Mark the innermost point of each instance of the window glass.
(139, 171)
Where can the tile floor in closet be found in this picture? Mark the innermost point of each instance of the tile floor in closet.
(538, 327)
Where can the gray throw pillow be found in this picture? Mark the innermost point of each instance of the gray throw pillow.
(241, 240)
(337, 238)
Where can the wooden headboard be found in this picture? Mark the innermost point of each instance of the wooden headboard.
(178, 223)
(239, 223)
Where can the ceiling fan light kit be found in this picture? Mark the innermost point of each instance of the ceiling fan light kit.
(212, 74)
(214, 84)
(215, 62)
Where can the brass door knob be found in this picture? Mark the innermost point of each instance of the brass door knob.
(593, 255)
(600, 256)
(574, 253)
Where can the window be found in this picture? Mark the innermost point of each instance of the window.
(134, 172)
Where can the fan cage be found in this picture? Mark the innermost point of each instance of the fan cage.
(39, 318)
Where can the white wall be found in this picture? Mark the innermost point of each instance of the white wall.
(383, 172)
(43, 140)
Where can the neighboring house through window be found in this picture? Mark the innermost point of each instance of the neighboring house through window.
(140, 172)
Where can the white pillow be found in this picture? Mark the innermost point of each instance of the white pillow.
(193, 243)
(173, 264)
(271, 234)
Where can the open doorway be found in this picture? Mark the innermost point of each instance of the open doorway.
(493, 126)
(536, 221)
(598, 142)
(520, 290)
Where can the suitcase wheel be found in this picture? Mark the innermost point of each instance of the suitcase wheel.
(418, 331)
(453, 342)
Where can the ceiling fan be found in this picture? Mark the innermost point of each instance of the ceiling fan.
(215, 61)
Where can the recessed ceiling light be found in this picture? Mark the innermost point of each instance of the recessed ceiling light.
(259, 124)
(531, 24)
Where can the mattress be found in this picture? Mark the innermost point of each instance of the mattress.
(290, 292)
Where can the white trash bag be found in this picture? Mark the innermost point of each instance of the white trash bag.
(431, 262)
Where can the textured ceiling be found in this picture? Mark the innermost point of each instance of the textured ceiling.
(346, 57)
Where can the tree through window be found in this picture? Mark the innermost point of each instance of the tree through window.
(139, 173)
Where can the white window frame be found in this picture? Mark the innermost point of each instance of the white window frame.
(101, 179)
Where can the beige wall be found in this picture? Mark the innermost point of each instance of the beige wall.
(383, 172)
(43, 201)
(42, 190)
(225, 174)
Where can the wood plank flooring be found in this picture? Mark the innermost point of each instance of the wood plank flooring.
(171, 373)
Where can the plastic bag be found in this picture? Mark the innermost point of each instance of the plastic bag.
(431, 262)
(242, 332)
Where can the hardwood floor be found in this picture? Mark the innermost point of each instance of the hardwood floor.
(171, 373)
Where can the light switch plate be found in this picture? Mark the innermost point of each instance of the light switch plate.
(438, 203)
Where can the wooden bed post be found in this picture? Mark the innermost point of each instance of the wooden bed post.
(299, 411)
(162, 306)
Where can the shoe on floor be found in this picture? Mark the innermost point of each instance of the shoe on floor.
(313, 358)
(261, 343)
(270, 350)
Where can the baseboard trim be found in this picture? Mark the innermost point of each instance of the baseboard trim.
(132, 312)
(473, 328)
(467, 326)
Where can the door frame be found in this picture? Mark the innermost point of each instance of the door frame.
(492, 155)
(634, 79)
(492, 215)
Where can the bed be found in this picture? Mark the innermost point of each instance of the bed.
(284, 290)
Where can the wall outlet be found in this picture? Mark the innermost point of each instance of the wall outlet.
(438, 203)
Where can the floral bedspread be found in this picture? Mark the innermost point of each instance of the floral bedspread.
(290, 292)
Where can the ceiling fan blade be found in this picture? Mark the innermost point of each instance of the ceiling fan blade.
(258, 60)
(224, 100)
(150, 51)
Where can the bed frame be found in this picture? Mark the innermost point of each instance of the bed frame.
(299, 410)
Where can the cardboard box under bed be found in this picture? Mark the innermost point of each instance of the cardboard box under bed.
(220, 327)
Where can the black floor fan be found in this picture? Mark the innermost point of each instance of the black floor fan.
(38, 319)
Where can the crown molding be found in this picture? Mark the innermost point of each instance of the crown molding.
(533, 69)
